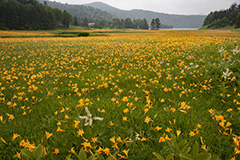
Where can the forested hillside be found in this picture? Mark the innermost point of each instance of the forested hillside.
(29, 14)
(80, 11)
(222, 18)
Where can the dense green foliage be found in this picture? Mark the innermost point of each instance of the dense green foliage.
(218, 19)
(83, 34)
(29, 14)
(122, 23)
(155, 24)
(80, 11)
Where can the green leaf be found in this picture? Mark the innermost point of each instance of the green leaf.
(182, 143)
(110, 158)
(170, 156)
(92, 157)
(186, 156)
(159, 157)
(203, 156)
(174, 147)
(173, 139)
(27, 153)
(38, 152)
(100, 157)
(68, 157)
(195, 149)
(215, 158)
(186, 149)
(88, 134)
(82, 154)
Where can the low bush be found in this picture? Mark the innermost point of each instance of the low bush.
(83, 34)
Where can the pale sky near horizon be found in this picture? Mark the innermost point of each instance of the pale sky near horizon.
(186, 7)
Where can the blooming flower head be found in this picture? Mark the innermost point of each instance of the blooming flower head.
(48, 135)
(56, 151)
(227, 74)
(15, 136)
(106, 151)
(94, 140)
(192, 134)
(161, 139)
(125, 99)
(158, 128)
(126, 152)
(88, 118)
(59, 130)
(112, 139)
(147, 119)
(80, 132)
(17, 155)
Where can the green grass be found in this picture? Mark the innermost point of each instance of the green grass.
(135, 76)
(231, 28)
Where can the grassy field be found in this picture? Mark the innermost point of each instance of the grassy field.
(137, 95)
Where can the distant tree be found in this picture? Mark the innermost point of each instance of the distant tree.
(122, 23)
(85, 22)
(67, 18)
(144, 24)
(128, 23)
(99, 24)
(237, 24)
(75, 21)
(158, 23)
(116, 23)
(58, 16)
(232, 17)
(233, 6)
(155, 24)
(137, 23)
(12, 15)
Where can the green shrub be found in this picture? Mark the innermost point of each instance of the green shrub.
(83, 34)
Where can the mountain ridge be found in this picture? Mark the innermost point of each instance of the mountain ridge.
(175, 20)
(80, 11)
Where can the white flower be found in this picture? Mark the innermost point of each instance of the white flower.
(197, 66)
(235, 51)
(88, 118)
(221, 51)
(227, 74)
(137, 137)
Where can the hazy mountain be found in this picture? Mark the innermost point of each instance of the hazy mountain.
(177, 21)
(80, 11)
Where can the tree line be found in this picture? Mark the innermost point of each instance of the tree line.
(30, 15)
(120, 23)
(114, 23)
(218, 19)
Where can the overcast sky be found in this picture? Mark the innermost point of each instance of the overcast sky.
(167, 6)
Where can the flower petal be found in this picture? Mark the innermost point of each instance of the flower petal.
(97, 118)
